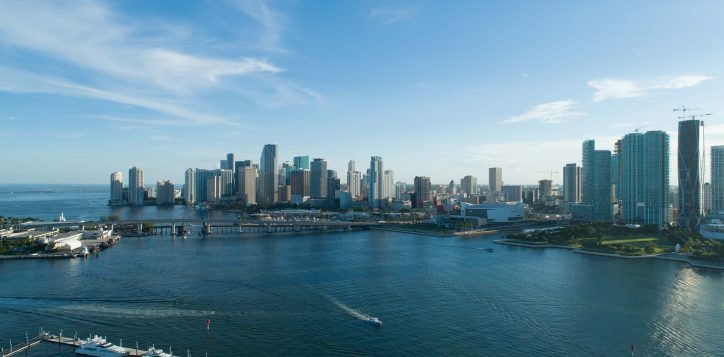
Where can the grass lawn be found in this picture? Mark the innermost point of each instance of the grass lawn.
(663, 245)
(619, 240)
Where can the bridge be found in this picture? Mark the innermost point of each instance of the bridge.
(220, 225)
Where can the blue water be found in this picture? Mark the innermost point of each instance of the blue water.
(305, 294)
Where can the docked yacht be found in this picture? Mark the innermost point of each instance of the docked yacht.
(156, 352)
(98, 346)
(375, 321)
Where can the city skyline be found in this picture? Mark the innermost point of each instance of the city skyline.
(99, 88)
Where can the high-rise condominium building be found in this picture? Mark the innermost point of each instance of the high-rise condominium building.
(423, 190)
(717, 179)
(571, 183)
(268, 179)
(135, 186)
(318, 178)
(451, 188)
(589, 146)
(165, 193)
(388, 184)
(116, 187)
(601, 195)
(644, 178)
(189, 192)
(354, 183)
(690, 172)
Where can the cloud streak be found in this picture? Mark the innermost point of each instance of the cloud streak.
(611, 88)
(550, 113)
(103, 56)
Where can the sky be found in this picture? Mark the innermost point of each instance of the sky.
(437, 88)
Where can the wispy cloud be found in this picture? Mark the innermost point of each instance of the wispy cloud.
(390, 15)
(552, 112)
(270, 20)
(611, 88)
(104, 57)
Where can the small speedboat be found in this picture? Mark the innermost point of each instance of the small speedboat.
(375, 321)
(490, 250)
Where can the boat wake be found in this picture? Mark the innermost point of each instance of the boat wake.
(350, 311)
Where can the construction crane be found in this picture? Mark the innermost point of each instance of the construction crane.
(694, 116)
(551, 172)
(684, 109)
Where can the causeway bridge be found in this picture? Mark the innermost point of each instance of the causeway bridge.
(210, 225)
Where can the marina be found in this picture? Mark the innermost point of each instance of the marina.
(92, 346)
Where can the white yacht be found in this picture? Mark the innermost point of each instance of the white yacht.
(60, 218)
(156, 352)
(375, 321)
(98, 346)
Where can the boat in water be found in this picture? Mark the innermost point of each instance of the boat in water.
(61, 218)
(98, 346)
(156, 352)
(375, 321)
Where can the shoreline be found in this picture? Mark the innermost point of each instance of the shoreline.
(663, 256)
(412, 231)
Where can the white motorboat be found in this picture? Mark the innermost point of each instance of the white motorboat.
(375, 321)
(98, 346)
(156, 352)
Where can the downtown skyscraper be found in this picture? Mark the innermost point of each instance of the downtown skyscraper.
(268, 179)
(644, 178)
(495, 183)
(318, 178)
(690, 173)
(375, 182)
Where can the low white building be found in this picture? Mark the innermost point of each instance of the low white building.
(486, 213)
(66, 241)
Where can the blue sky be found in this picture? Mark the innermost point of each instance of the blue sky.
(442, 89)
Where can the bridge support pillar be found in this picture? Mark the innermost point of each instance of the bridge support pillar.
(140, 228)
(173, 228)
